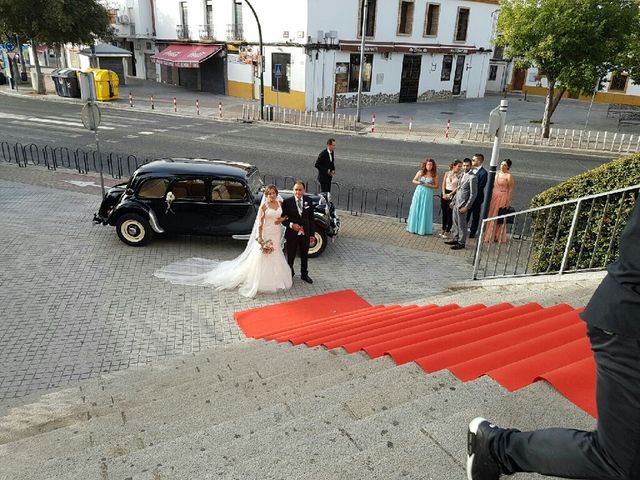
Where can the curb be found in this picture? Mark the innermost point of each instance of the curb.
(540, 279)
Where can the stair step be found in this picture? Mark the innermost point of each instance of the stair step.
(276, 444)
(144, 427)
(101, 396)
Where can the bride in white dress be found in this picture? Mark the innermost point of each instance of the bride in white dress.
(262, 267)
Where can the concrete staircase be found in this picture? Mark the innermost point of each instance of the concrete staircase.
(266, 410)
(263, 410)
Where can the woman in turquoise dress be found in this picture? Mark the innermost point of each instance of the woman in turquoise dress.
(420, 219)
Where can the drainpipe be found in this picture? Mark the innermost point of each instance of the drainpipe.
(153, 18)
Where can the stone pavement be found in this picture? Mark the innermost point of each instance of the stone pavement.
(77, 302)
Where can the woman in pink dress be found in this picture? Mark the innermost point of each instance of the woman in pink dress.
(500, 198)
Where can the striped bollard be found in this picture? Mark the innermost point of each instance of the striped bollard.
(130, 99)
(446, 132)
(373, 123)
(152, 104)
(175, 105)
(197, 107)
(220, 109)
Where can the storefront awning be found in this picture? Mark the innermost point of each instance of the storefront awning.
(185, 56)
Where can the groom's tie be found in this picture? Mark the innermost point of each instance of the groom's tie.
(299, 202)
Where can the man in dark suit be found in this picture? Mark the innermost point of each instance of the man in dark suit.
(476, 209)
(297, 212)
(326, 165)
(612, 450)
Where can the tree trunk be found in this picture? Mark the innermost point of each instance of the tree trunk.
(548, 103)
(39, 86)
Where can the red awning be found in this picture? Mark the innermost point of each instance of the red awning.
(185, 56)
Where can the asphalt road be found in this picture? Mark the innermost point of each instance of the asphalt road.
(361, 161)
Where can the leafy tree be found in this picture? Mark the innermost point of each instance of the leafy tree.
(53, 22)
(574, 43)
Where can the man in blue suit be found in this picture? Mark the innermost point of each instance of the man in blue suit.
(476, 209)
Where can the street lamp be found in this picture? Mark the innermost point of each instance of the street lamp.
(239, 2)
(360, 70)
(497, 119)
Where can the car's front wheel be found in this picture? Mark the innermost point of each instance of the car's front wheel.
(321, 244)
(133, 229)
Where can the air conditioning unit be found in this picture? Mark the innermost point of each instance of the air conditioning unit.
(123, 19)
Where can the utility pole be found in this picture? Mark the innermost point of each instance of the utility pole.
(365, 11)
(593, 97)
(261, 58)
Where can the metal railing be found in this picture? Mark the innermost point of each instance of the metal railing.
(235, 31)
(206, 32)
(570, 139)
(288, 116)
(182, 32)
(572, 236)
(355, 200)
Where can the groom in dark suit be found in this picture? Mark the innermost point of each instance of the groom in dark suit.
(297, 212)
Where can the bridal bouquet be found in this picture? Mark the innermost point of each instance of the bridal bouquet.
(266, 246)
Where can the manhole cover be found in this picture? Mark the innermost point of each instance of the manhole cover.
(394, 116)
(446, 113)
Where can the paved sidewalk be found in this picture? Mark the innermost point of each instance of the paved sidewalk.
(77, 302)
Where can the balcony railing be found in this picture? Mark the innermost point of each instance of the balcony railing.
(234, 32)
(182, 32)
(206, 32)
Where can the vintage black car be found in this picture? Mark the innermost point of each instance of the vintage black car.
(197, 197)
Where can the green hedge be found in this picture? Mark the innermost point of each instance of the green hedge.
(600, 221)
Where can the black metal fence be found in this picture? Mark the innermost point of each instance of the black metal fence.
(355, 200)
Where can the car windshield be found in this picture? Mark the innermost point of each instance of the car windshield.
(254, 182)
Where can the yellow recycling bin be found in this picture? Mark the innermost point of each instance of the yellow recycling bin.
(106, 83)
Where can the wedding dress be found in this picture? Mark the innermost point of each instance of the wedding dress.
(252, 271)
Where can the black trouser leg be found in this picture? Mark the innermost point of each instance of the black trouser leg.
(447, 213)
(609, 453)
(325, 184)
(303, 245)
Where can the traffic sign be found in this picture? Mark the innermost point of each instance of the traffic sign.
(9, 47)
(90, 116)
(278, 70)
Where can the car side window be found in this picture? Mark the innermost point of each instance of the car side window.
(153, 188)
(228, 191)
(192, 189)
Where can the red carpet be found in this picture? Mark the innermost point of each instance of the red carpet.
(258, 321)
(516, 346)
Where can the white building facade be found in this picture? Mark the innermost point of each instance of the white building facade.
(415, 50)
(617, 87)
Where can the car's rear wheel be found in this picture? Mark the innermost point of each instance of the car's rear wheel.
(133, 230)
(321, 244)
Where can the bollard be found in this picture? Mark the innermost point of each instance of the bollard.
(197, 107)
(152, 105)
(175, 105)
(410, 124)
(446, 132)
(373, 123)
(130, 99)
(220, 108)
